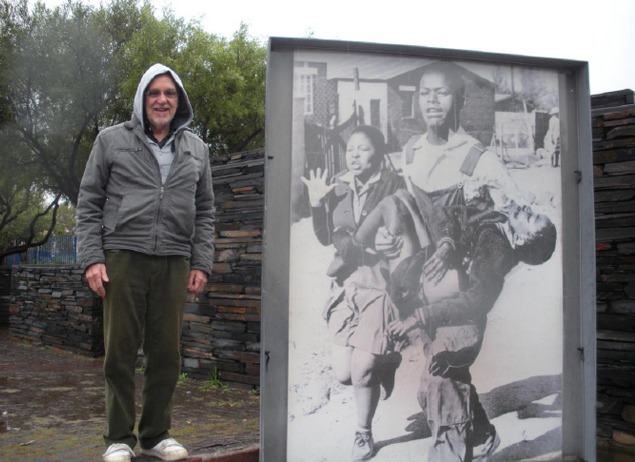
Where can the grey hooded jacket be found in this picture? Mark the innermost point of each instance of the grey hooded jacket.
(124, 205)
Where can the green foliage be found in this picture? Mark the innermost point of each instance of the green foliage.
(67, 72)
(65, 220)
(74, 69)
(58, 85)
(22, 202)
(224, 79)
(18, 207)
(227, 89)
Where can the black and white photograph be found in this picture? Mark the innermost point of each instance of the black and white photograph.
(425, 288)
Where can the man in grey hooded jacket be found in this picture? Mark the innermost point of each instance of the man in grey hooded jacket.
(145, 227)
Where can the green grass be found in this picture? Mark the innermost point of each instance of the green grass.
(183, 378)
(213, 382)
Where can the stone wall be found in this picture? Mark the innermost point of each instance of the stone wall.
(221, 335)
(51, 305)
(613, 122)
(5, 295)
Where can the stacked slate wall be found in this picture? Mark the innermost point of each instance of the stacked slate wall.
(221, 334)
(5, 295)
(613, 122)
(52, 305)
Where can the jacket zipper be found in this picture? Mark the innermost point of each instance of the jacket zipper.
(155, 238)
(158, 219)
(162, 190)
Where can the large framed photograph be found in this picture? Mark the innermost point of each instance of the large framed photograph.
(428, 264)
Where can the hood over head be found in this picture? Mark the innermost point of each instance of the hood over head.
(184, 113)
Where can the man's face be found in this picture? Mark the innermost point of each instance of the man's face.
(527, 224)
(436, 100)
(161, 102)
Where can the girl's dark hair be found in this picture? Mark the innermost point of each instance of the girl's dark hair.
(375, 136)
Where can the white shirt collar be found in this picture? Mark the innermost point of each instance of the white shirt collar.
(350, 180)
(455, 139)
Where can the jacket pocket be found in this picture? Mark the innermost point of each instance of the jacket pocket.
(186, 173)
(111, 212)
(132, 214)
(138, 208)
(179, 214)
(179, 202)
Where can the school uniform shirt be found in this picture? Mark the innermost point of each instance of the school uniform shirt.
(437, 168)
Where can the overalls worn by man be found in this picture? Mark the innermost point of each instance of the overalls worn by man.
(145, 226)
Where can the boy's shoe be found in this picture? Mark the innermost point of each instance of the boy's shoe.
(363, 447)
(168, 449)
(118, 452)
(482, 452)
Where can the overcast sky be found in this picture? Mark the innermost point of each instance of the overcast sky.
(601, 33)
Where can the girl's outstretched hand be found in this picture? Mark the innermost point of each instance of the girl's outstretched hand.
(317, 186)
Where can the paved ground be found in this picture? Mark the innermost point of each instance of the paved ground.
(52, 409)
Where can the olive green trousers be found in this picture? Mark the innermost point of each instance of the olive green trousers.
(144, 302)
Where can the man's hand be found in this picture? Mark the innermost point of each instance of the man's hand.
(440, 364)
(196, 281)
(399, 329)
(96, 276)
(387, 244)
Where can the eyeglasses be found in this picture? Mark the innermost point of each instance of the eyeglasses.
(155, 93)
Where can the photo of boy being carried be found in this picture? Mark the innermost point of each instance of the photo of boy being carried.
(446, 289)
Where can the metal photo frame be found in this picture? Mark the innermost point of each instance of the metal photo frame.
(535, 370)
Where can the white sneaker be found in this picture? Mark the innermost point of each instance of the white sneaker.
(168, 449)
(118, 452)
